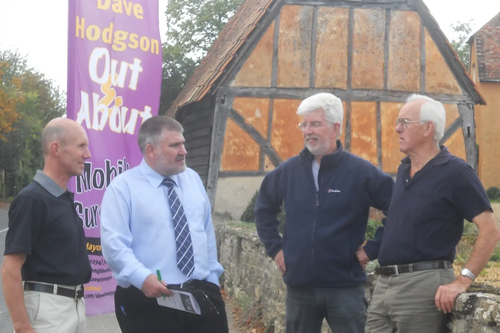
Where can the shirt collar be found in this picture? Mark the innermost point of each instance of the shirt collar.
(153, 177)
(48, 184)
(442, 157)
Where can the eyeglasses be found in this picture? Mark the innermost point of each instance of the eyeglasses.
(405, 122)
(313, 124)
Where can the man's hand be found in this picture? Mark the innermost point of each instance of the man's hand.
(279, 259)
(362, 257)
(154, 288)
(446, 294)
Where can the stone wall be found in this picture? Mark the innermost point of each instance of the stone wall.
(253, 279)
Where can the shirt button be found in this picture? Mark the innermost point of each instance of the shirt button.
(407, 180)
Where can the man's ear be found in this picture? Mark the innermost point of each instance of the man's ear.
(55, 149)
(150, 150)
(336, 130)
(429, 129)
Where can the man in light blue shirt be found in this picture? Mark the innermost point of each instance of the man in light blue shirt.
(157, 217)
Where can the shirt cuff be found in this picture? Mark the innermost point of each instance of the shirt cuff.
(139, 276)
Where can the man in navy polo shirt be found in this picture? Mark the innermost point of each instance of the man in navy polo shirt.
(45, 261)
(435, 191)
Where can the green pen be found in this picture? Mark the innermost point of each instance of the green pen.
(159, 279)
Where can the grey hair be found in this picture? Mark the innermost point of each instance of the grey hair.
(152, 129)
(433, 111)
(330, 104)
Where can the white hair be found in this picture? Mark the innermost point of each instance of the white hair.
(330, 104)
(433, 111)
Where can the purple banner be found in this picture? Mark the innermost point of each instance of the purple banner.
(114, 84)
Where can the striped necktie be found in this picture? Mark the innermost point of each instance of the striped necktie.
(185, 257)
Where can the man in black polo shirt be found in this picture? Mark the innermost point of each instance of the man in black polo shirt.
(435, 191)
(45, 250)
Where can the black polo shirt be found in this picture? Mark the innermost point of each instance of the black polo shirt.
(43, 224)
(426, 215)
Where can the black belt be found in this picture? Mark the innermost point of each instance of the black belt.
(54, 289)
(408, 268)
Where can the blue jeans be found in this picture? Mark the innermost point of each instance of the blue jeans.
(343, 308)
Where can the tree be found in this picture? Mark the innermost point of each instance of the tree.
(37, 102)
(192, 27)
(10, 96)
(459, 43)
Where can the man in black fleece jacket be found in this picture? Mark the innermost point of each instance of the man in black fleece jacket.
(327, 194)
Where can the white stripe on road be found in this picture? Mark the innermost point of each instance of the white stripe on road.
(4, 230)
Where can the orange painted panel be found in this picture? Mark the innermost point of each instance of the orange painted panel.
(255, 111)
(404, 51)
(438, 77)
(391, 156)
(286, 136)
(456, 144)
(256, 72)
(294, 49)
(368, 49)
(331, 47)
(364, 130)
(241, 152)
(487, 131)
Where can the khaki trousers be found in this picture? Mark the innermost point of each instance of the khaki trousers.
(405, 303)
(50, 313)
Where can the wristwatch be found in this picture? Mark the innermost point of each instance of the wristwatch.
(468, 273)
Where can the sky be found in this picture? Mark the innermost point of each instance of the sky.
(38, 28)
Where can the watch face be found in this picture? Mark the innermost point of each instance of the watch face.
(465, 271)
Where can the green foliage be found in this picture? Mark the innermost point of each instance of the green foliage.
(192, 27)
(371, 228)
(459, 43)
(495, 257)
(248, 215)
(20, 153)
(493, 193)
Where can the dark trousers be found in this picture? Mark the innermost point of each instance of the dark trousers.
(137, 313)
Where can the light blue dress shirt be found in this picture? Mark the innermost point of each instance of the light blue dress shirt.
(137, 232)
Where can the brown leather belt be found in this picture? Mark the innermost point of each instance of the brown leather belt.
(76, 294)
(409, 268)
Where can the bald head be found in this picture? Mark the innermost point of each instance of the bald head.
(57, 130)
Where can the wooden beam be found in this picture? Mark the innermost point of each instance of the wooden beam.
(347, 129)
(350, 37)
(242, 173)
(247, 48)
(276, 39)
(469, 130)
(449, 55)
(451, 130)
(312, 71)
(379, 137)
(361, 95)
(264, 145)
(386, 48)
(396, 5)
(269, 135)
(423, 60)
(223, 105)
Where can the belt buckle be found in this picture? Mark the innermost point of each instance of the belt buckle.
(395, 269)
(78, 294)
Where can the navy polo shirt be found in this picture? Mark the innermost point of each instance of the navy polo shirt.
(43, 224)
(426, 215)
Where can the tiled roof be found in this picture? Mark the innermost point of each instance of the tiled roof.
(221, 52)
(488, 50)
